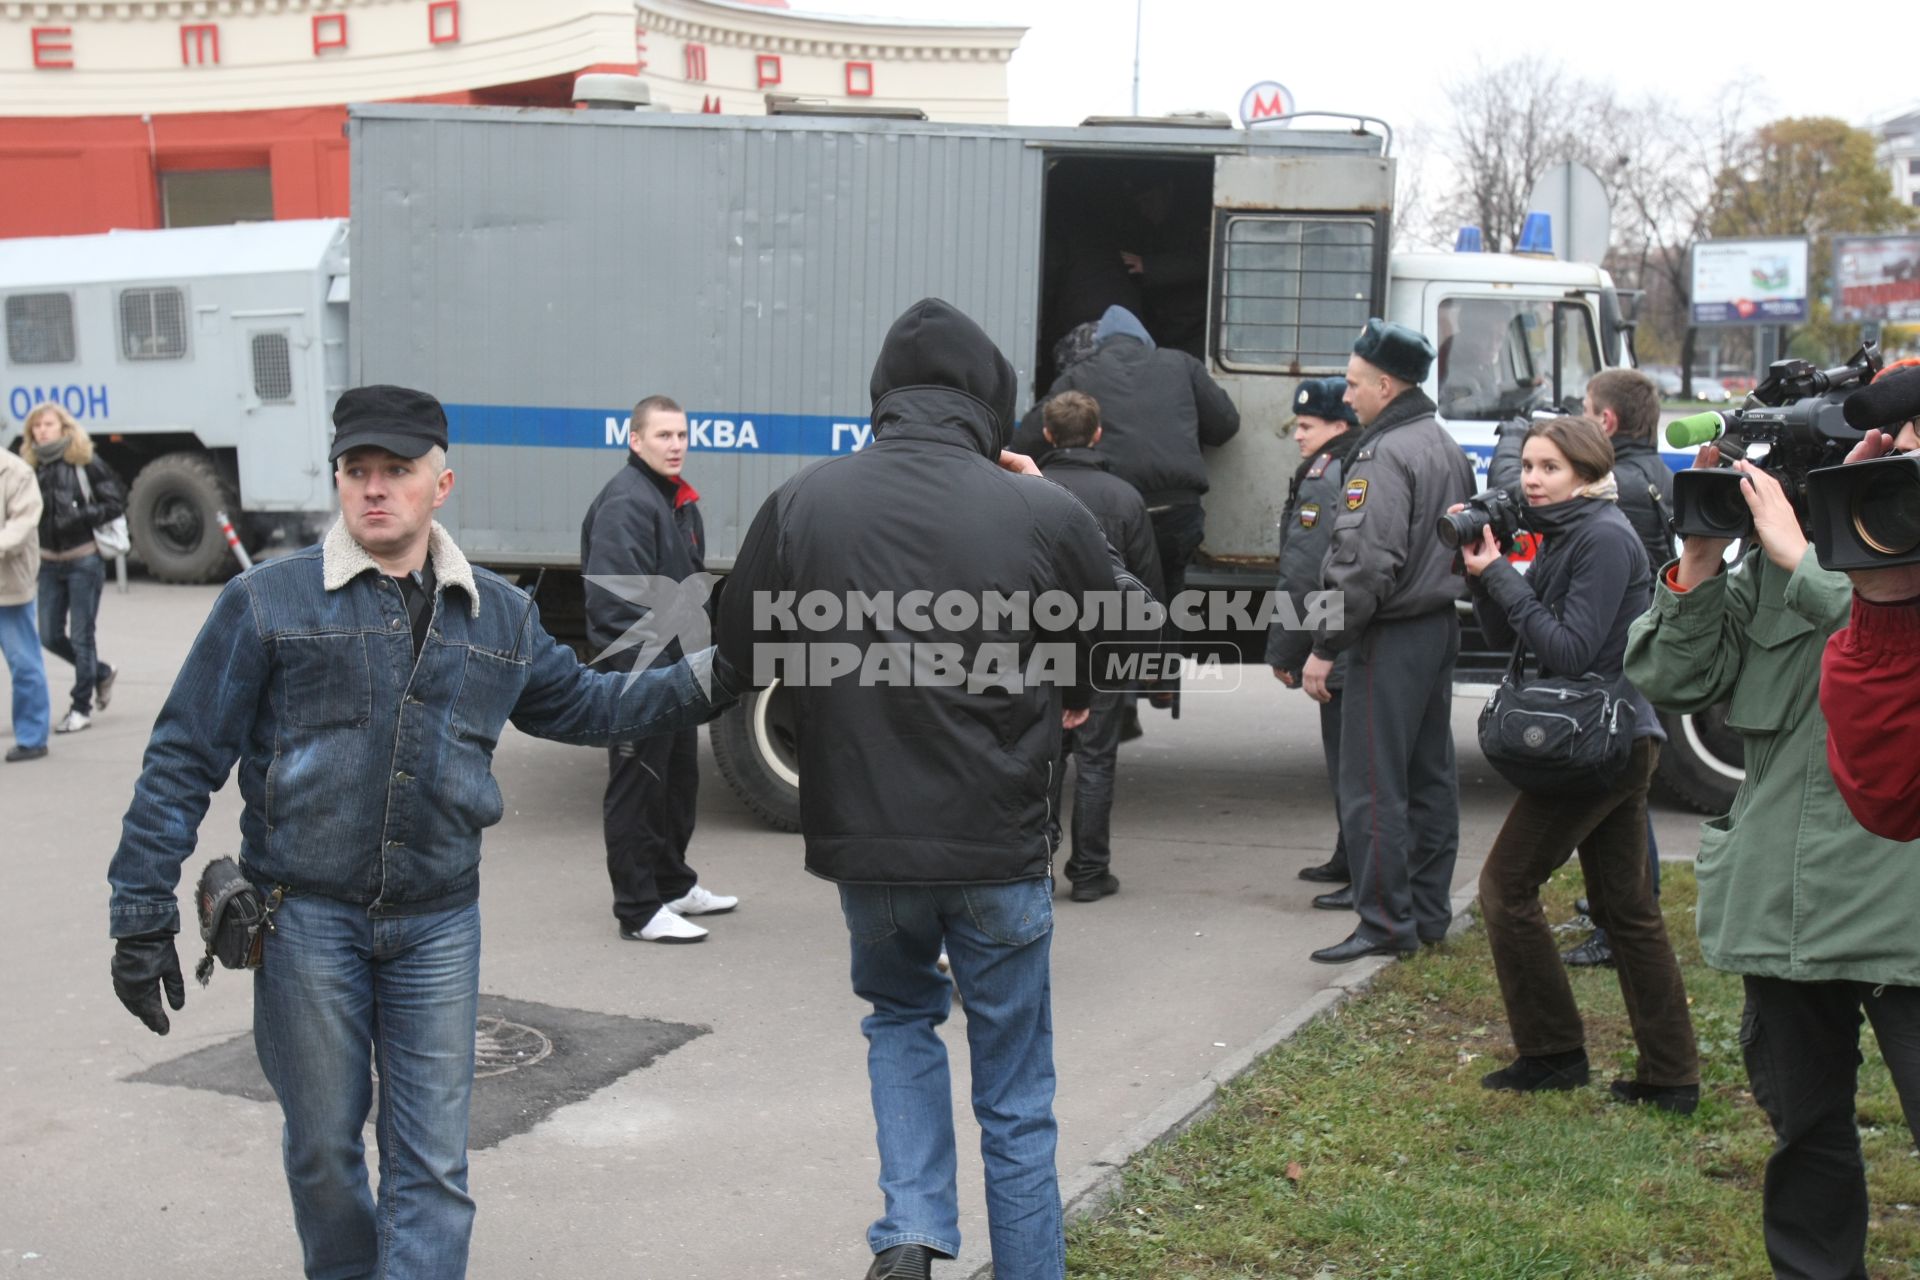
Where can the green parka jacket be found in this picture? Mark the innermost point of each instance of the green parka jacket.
(1790, 885)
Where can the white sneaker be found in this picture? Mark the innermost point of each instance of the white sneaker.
(103, 688)
(698, 902)
(76, 721)
(665, 927)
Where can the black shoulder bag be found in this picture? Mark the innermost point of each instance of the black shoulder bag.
(1556, 735)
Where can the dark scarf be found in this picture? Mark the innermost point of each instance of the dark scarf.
(51, 451)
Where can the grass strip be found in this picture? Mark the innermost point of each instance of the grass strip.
(1365, 1147)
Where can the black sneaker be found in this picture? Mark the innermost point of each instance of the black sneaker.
(1596, 950)
(902, 1262)
(1681, 1099)
(1094, 890)
(1530, 1075)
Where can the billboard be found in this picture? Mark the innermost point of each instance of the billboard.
(1750, 281)
(1876, 278)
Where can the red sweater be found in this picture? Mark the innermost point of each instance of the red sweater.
(1870, 694)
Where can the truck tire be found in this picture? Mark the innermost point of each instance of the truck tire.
(171, 514)
(1702, 763)
(754, 746)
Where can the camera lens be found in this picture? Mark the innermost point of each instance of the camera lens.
(1461, 527)
(1723, 506)
(1886, 511)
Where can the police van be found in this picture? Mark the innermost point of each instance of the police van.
(203, 361)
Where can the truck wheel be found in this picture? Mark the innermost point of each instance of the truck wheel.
(754, 746)
(171, 514)
(1702, 763)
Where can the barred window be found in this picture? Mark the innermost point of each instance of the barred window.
(153, 324)
(40, 328)
(272, 367)
(1295, 291)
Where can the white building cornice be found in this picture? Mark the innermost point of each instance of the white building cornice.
(814, 35)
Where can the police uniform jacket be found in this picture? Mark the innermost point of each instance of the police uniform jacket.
(1385, 558)
(1306, 529)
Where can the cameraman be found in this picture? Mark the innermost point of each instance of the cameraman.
(1815, 914)
(1868, 688)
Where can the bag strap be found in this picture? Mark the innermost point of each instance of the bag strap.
(84, 486)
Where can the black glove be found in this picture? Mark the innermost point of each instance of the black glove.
(138, 963)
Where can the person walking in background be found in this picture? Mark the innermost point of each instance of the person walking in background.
(1572, 611)
(1076, 465)
(78, 493)
(1321, 425)
(20, 506)
(646, 523)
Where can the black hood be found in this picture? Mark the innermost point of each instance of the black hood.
(934, 348)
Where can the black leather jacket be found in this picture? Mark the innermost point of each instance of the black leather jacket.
(67, 518)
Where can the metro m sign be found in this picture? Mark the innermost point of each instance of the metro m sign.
(1268, 100)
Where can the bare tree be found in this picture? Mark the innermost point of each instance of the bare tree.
(1511, 123)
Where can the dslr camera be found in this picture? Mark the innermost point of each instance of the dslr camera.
(1798, 412)
(1866, 515)
(1495, 509)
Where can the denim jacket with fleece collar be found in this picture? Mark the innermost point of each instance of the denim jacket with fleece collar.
(367, 774)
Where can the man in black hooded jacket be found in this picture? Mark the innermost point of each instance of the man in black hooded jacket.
(925, 773)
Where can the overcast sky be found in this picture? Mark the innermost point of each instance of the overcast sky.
(1392, 59)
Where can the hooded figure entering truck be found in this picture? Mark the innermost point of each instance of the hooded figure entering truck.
(928, 802)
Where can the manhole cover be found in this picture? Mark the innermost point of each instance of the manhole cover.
(500, 1046)
(578, 1053)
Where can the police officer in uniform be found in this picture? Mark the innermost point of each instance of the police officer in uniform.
(1400, 633)
(1320, 428)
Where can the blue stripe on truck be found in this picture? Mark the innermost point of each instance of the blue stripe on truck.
(527, 426)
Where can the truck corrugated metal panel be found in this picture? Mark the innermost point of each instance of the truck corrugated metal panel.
(477, 277)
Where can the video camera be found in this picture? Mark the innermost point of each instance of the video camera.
(1797, 412)
(1867, 515)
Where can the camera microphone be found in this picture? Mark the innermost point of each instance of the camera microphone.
(1697, 428)
(1884, 404)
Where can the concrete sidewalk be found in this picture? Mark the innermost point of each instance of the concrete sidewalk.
(743, 1144)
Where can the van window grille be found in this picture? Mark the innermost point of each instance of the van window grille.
(153, 324)
(1295, 291)
(272, 367)
(40, 328)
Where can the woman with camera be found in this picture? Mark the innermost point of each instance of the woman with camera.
(1571, 612)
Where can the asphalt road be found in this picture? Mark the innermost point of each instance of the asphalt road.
(689, 1111)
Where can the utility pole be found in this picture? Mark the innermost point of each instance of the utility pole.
(1138, 5)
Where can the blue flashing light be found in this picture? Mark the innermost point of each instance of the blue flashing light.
(1468, 241)
(1536, 235)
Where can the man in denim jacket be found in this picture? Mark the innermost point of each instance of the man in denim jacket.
(361, 686)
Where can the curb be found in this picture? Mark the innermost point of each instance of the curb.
(1088, 1190)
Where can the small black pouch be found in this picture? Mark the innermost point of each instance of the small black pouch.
(233, 919)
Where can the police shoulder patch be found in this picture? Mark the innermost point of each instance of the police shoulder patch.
(1319, 467)
(1356, 494)
(1309, 514)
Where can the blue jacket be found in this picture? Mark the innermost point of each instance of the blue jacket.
(366, 775)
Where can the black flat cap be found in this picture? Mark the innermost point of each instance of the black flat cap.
(402, 421)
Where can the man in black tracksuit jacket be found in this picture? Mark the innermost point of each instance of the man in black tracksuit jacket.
(1072, 431)
(926, 797)
(646, 522)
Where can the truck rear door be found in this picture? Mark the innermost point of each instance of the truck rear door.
(1299, 263)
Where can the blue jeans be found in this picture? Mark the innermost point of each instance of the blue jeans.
(31, 711)
(998, 938)
(340, 994)
(69, 604)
